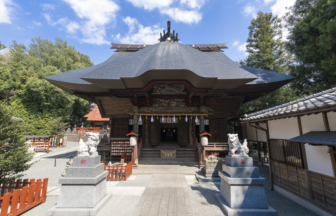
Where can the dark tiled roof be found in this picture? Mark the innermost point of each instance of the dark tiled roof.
(168, 56)
(312, 102)
(171, 56)
(317, 137)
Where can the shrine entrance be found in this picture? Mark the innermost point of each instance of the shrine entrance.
(168, 134)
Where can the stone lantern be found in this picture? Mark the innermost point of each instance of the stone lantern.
(205, 138)
(133, 138)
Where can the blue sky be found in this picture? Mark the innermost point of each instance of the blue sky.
(90, 25)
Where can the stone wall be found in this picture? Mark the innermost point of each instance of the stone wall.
(73, 135)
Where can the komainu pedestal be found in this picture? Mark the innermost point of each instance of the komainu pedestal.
(83, 190)
(242, 189)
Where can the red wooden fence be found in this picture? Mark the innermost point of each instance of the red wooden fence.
(40, 143)
(94, 130)
(10, 187)
(21, 200)
(118, 173)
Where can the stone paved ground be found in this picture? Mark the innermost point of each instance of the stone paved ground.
(166, 194)
(153, 190)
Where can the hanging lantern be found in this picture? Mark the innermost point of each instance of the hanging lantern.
(152, 119)
(162, 119)
(186, 119)
(140, 118)
(174, 119)
(196, 119)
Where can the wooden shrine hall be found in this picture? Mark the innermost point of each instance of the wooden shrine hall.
(167, 94)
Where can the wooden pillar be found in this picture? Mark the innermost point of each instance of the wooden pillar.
(325, 121)
(136, 124)
(269, 154)
(202, 127)
(135, 130)
(302, 144)
(259, 153)
(111, 128)
(331, 149)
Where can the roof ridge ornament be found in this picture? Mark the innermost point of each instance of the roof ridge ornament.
(168, 37)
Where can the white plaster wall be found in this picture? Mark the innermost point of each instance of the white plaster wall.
(319, 160)
(332, 120)
(262, 134)
(283, 128)
(312, 123)
(251, 132)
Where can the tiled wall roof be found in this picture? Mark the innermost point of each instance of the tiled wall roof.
(316, 101)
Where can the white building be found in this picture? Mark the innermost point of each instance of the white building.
(301, 141)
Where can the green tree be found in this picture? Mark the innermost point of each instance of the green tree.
(14, 155)
(264, 44)
(2, 46)
(34, 99)
(267, 51)
(311, 41)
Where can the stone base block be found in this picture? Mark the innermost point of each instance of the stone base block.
(211, 173)
(239, 161)
(86, 161)
(201, 178)
(241, 172)
(244, 212)
(54, 211)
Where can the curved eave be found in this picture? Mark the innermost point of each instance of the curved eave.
(196, 80)
(75, 87)
(253, 91)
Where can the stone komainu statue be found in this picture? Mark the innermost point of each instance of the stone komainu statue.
(90, 147)
(236, 147)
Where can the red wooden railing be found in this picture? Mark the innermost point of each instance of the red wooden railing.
(41, 143)
(80, 130)
(118, 172)
(10, 187)
(21, 200)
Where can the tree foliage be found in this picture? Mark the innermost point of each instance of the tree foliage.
(267, 51)
(34, 99)
(312, 41)
(264, 44)
(14, 155)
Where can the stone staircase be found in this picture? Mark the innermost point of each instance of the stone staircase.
(184, 155)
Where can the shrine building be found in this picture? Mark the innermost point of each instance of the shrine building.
(168, 93)
(95, 118)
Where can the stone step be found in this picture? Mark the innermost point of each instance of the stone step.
(167, 161)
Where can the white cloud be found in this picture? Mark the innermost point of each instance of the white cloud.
(266, 2)
(188, 13)
(3, 51)
(96, 16)
(5, 10)
(279, 8)
(250, 10)
(184, 16)
(52, 23)
(143, 35)
(72, 27)
(242, 47)
(236, 43)
(151, 4)
(35, 24)
(131, 22)
(194, 4)
(47, 7)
